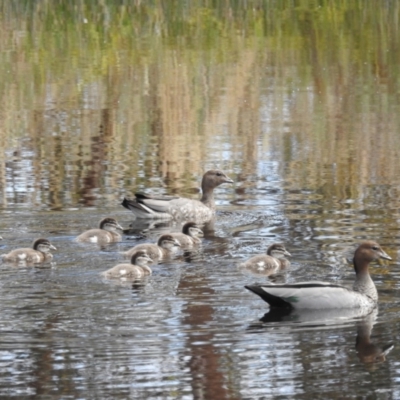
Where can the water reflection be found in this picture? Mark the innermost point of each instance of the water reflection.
(368, 351)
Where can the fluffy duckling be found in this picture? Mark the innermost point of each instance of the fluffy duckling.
(190, 235)
(106, 233)
(325, 295)
(266, 264)
(39, 252)
(137, 269)
(179, 208)
(157, 252)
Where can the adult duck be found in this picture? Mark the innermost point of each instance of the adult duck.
(179, 208)
(269, 263)
(157, 252)
(325, 295)
(39, 252)
(138, 268)
(106, 233)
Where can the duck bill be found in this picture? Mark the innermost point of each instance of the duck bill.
(53, 247)
(385, 256)
(228, 180)
(120, 227)
(287, 254)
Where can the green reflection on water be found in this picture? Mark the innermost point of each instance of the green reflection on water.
(107, 95)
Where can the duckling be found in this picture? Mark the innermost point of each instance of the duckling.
(105, 234)
(39, 252)
(267, 264)
(190, 235)
(325, 295)
(138, 267)
(179, 208)
(157, 252)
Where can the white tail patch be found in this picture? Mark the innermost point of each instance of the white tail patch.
(261, 265)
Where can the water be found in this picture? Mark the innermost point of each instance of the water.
(298, 105)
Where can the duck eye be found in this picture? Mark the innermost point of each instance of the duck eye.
(218, 174)
(375, 248)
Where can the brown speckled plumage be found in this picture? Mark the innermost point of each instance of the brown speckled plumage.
(179, 208)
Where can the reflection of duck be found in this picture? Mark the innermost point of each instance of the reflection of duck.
(137, 269)
(106, 233)
(312, 317)
(39, 252)
(179, 208)
(266, 264)
(190, 235)
(325, 295)
(367, 351)
(156, 252)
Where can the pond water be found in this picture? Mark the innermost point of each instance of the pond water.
(297, 102)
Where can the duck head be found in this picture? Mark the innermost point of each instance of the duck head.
(191, 229)
(367, 252)
(110, 224)
(43, 245)
(167, 242)
(214, 178)
(141, 258)
(278, 250)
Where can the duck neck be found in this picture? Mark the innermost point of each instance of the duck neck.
(363, 283)
(284, 262)
(208, 197)
(146, 269)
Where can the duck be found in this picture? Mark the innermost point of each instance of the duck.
(106, 233)
(190, 235)
(266, 264)
(157, 252)
(39, 252)
(138, 267)
(179, 208)
(325, 295)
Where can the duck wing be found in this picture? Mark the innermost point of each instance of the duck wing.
(168, 207)
(311, 295)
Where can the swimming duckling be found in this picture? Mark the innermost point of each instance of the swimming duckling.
(39, 252)
(179, 208)
(325, 295)
(138, 267)
(157, 252)
(267, 264)
(105, 234)
(190, 235)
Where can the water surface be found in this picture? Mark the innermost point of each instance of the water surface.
(297, 102)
